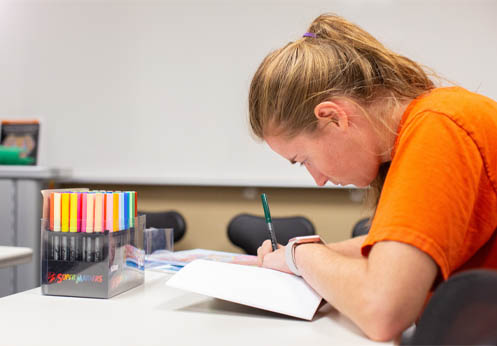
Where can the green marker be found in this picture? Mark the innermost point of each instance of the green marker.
(269, 223)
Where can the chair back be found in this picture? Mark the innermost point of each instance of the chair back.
(249, 231)
(167, 219)
(361, 227)
(462, 311)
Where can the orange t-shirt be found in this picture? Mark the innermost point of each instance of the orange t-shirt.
(440, 193)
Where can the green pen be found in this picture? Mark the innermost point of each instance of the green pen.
(269, 223)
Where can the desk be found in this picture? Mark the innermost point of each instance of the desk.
(13, 255)
(154, 314)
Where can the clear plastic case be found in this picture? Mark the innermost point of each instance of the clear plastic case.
(96, 265)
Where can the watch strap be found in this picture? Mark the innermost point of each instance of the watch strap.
(290, 257)
(290, 252)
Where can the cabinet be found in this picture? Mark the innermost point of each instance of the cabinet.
(20, 213)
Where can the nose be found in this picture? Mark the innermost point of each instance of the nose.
(318, 177)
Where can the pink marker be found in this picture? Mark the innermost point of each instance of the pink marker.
(83, 212)
(80, 195)
(109, 212)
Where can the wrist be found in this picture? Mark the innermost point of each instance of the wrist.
(293, 245)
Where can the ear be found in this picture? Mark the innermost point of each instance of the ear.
(330, 112)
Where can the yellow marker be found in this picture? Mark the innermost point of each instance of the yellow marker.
(64, 212)
(115, 209)
(73, 213)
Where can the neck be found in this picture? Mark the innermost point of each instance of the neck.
(390, 127)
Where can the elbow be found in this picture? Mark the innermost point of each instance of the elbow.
(381, 332)
(384, 322)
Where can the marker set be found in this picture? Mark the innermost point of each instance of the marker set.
(92, 243)
(88, 212)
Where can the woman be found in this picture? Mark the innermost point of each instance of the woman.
(353, 112)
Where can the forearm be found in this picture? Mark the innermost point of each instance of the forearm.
(378, 293)
(350, 247)
(340, 280)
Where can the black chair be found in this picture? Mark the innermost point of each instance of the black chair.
(167, 219)
(462, 311)
(249, 231)
(361, 227)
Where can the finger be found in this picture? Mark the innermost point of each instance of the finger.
(259, 256)
(266, 246)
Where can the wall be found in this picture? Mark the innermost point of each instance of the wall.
(208, 210)
(165, 82)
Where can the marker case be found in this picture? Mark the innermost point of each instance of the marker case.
(95, 265)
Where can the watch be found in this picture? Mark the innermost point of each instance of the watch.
(290, 250)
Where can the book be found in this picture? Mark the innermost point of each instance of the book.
(254, 286)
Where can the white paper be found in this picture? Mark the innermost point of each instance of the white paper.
(262, 288)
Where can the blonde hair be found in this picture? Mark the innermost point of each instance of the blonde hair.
(340, 60)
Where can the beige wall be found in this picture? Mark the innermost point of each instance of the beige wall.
(208, 210)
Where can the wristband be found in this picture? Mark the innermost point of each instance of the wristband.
(290, 250)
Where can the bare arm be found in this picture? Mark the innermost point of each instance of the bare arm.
(350, 247)
(383, 294)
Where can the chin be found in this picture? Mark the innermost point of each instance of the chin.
(363, 183)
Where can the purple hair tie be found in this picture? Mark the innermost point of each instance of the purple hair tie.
(309, 34)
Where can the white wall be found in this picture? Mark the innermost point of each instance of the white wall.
(156, 91)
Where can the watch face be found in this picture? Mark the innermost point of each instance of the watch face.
(307, 239)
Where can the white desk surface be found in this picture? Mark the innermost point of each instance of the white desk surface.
(14, 255)
(154, 314)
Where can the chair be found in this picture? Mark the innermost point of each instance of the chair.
(462, 311)
(249, 231)
(167, 219)
(361, 227)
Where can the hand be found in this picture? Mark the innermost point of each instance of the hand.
(268, 258)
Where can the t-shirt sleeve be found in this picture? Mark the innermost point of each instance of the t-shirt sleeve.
(430, 190)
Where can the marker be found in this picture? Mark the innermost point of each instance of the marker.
(121, 211)
(90, 209)
(56, 226)
(73, 212)
(51, 197)
(73, 224)
(115, 209)
(269, 223)
(64, 220)
(99, 212)
(56, 212)
(126, 210)
(99, 224)
(64, 213)
(80, 195)
(132, 218)
(90, 198)
(109, 213)
(83, 211)
(131, 209)
(136, 204)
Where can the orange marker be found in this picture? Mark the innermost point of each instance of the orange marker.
(115, 209)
